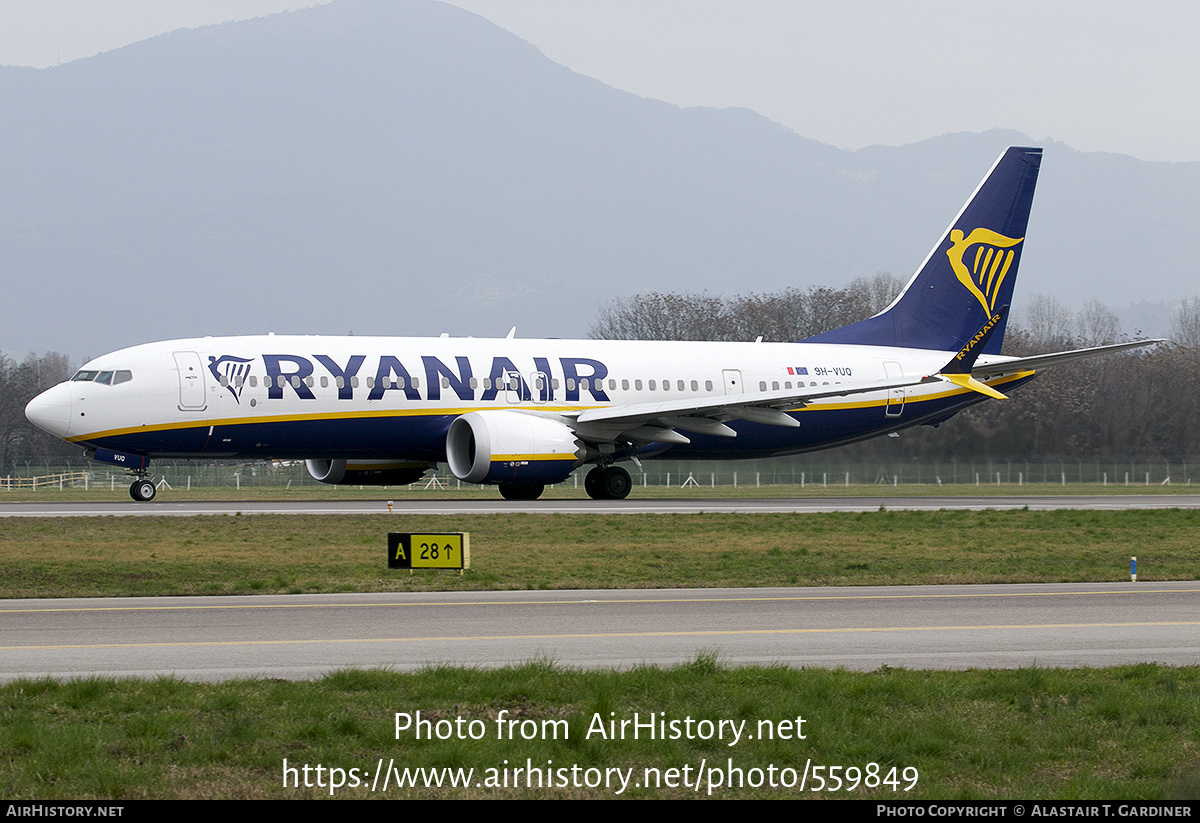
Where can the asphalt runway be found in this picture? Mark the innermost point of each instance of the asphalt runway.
(681, 505)
(302, 636)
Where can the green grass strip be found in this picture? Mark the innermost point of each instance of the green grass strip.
(1121, 733)
(261, 554)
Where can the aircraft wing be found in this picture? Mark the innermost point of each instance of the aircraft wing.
(658, 422)
(663, 422)
(1011, 364)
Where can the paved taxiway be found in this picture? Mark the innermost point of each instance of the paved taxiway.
(300, 636)
(682, 505)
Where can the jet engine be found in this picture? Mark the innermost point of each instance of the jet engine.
(366, 472)
(511, 447)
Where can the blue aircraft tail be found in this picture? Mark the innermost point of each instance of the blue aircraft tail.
(969, 274)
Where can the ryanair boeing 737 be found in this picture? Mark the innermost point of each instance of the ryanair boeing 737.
(524, 413)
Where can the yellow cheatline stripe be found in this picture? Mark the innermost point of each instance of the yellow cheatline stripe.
(509, 458)
(590, 601)
(600, 635)
(817, 405)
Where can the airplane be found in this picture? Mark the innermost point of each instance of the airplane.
(521, 414)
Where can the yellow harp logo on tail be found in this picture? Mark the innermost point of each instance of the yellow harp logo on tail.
(983, 268)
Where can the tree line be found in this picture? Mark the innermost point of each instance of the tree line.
(1132, 405)
(20, 382)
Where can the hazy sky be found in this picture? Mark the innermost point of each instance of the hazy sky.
(1098, 75)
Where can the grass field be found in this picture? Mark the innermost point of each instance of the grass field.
(1127, 732)
(260, 554)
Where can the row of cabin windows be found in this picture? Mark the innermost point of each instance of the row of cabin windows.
(513, 385)
(107, 378)
(538, 384)
(762, 384)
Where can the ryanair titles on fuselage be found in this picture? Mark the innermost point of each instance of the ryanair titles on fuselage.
(297, 375)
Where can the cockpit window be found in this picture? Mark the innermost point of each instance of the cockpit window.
(107, 378)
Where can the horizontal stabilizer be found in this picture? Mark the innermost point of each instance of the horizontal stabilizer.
(969, 382)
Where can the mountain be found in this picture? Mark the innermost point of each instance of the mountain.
(389, 167)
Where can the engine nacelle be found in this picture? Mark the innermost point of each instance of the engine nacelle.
(511, 447)
(366, 472)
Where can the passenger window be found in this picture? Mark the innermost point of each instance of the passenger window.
(679, 385)
(762, 385)
(695, 386)
(338, 381)
(308, 381)
(708, 385)
(474, 383)
(653, 385)
(295, 381)
(774, 385)
(612, 384)
(370, 382)
(354, 382)
(445, 382)
(324, 382)
(624, 385)
(570, 384)
(637, 384)
(253, 381)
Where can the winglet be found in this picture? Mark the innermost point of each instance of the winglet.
(958, 370)
(964, 361)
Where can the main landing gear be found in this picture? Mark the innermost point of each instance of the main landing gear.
(143, 490)
(601, 483)
(607, 483)
(521, 491)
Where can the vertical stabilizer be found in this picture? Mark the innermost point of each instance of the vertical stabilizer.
(969, 274)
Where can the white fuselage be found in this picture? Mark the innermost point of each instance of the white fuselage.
(392, 398)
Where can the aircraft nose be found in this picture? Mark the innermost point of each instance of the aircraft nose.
(51, 410)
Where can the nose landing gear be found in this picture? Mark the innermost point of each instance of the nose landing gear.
(143, 490)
